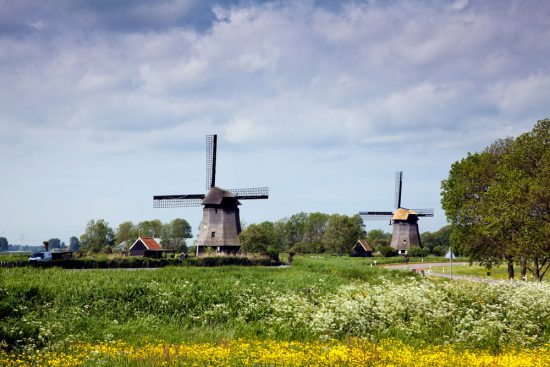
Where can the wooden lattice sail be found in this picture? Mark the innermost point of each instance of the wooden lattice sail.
(220, 226)
(404, 222)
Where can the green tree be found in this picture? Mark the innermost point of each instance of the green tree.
(497, 202)
(342, 232)
(431, 240)
(128, 232)
(261, 238)
(150, 228)
(519, 200)
(315, 227)
(464, 199)
(377, 237)
(174, 234)
(97, 237)
(295, 229)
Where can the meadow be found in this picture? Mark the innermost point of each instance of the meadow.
(345, 309)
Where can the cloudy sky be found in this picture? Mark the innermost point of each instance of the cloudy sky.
(104, 104)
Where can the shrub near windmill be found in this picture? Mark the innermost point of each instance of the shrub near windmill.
(404, 221)
(220, 226)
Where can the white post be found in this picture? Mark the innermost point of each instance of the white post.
(452, 262)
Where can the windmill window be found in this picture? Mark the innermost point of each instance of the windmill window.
(213, 234)
(216, 211)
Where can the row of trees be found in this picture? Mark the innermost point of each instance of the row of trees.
(498, 202)
(337, 234)
(303, 233)
(100, 237)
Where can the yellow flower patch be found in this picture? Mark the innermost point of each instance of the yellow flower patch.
(355, 352)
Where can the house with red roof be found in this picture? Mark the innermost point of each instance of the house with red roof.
(143, 244)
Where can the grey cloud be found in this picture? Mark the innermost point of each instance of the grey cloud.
(279, 71)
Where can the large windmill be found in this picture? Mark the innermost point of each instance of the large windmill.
(404, 221)
(220, 226)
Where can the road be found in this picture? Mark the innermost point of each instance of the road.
(443, 270)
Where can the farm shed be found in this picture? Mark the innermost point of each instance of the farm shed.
(362, 249)
(143, 244)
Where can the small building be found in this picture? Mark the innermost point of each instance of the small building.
(362, 249)
(121, 247)
(144, 244)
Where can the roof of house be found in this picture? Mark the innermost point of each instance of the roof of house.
(403, 214)
(216, 195)
(365, 245)
(149, 242)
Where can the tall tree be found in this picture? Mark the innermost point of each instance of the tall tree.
(377, 237)
(74, 244)
(521, 200)
(315, 227)
(174, 234)
(150, 228)
(54, 243)
(295, 229)
(3, 244)
(98, 236)
(342, 232)
(498, 202)
(128, 232)
(261, 238)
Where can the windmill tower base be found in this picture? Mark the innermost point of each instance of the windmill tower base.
(220, 226)
(404, 236)
(405, 231)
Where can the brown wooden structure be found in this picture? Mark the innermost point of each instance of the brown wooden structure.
(220, 226)
(404, 221)
(143, 244)
(362, 249)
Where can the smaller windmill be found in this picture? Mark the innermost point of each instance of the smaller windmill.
(221, 225)
(404, 221)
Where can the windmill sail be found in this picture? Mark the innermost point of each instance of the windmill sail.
(376, 215)
(428, 212)
(251, 193)
(398, 188)
(177, 201)
(211, 145)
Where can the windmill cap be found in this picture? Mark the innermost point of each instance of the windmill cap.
(216, 195)
(403, 214)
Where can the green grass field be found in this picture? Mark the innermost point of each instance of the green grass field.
(317, 298)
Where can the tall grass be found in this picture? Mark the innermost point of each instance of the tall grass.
(314, 298)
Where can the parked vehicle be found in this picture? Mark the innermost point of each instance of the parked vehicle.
(42, 256)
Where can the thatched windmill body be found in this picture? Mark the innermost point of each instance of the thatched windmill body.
(404, 221)
(220, 226)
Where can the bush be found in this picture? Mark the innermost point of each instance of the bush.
(418, 252)
(387, 251)
(439, 251)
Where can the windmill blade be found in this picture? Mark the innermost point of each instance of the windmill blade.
(251, 193)
(211, 147)
(398, 188)
(376, 215)
(424, 212)
(177, 201)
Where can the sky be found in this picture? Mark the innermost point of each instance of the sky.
(104, 104)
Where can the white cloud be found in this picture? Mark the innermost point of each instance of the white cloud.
(104, 81)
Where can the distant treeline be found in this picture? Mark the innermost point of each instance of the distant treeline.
(325, 233)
